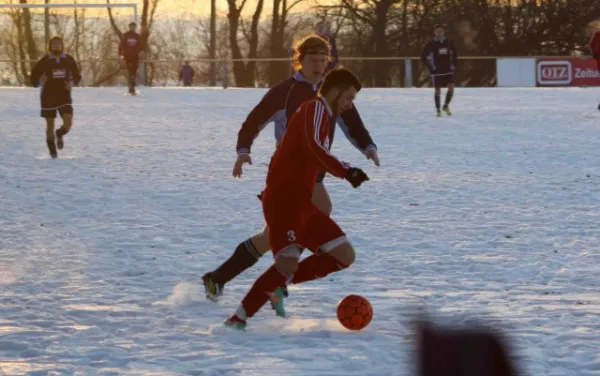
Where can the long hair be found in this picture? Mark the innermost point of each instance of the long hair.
(311, 44)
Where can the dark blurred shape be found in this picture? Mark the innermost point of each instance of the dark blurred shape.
(462, 352)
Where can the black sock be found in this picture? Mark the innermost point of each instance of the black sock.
(449, 95)
(61, 132)
(437, 101)
(244, 256)
(51, 146)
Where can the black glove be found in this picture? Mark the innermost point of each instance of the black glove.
(260, 195)
(356, 176)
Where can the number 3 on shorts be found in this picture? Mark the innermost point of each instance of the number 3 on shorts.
(291, 235)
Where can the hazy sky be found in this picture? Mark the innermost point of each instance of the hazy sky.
(175, 6)
(172, 8)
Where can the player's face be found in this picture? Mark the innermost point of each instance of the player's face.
(439, 32)
(313, 66)
(132, 28)
(345, 100)
(56, 45)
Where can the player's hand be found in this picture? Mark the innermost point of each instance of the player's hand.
(237, 167)
(356, 176)
(68, 85)
(372, 155)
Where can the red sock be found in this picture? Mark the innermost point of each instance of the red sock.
(261, 291)
(317, 266)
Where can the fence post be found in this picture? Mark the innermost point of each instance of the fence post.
(408, 73)
(225, 75)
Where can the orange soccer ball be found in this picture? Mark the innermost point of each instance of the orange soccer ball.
(355, 312)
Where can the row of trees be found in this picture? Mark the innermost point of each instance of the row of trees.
(363, 28)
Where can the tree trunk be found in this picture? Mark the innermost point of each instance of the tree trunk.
(31, 48)
(213, 42)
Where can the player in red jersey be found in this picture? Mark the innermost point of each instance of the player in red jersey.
(278, 105)
(294, 221)
(594, 47)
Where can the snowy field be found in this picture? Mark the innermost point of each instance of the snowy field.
(492, 215)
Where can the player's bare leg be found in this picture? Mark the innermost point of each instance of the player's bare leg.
(449, 95)
(50, 141)
(66, 127)
(248, 252)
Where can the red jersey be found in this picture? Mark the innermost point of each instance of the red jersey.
(595, 43)
(304, 151)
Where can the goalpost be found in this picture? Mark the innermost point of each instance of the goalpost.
(132, 6)
(93, 5)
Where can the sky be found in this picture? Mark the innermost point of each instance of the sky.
(177, 7)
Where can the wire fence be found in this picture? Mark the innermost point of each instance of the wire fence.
(474, 71)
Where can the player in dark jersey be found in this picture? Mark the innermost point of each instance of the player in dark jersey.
(594, 47)
(130, 48)
(278, 105)
(439, 55)
(56, 73)
(295, 223)
(322, 29)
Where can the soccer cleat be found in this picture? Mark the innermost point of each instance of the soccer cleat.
(213, 289)
(59, 139)
(599, 107)
(52, 147)
(277, 301)
(235, 322)
(439, 113)
(447, 110)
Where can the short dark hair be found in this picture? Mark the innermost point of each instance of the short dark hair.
(438, 26)
(53, 39)
(340, 78)
(132, 24)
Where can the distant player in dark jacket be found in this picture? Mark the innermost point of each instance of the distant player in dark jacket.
(56, 73)
(594, 47)
(322, 29)
(439, 55)
(278, 105)
(130, 48)
(186, 74)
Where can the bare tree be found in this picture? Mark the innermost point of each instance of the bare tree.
(243, 71)
(279, 23)
(147, 20)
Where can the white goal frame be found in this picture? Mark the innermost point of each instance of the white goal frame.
(94, 5)
(134, 6)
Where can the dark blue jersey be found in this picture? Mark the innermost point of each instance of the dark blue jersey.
(280, 103)
(51, 73)
(439, 55)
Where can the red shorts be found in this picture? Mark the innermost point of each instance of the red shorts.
(296, 222)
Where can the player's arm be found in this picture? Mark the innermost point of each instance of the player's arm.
(353, 127)
(593, 43)
(270, 106)
(425, 56)
(454, 56)
(122, 46)
(75, 72)
(314, 119)
(36, 73)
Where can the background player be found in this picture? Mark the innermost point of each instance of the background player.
(439, 55)
(294, 221)
(56, 73)
(323, 30)
(278, 105)
(594, 47)
(130, 48)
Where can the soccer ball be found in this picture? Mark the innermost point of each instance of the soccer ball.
(354, 312)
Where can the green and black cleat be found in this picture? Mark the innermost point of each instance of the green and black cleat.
(212, 288)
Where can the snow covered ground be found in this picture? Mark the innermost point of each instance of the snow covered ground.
(492, 215)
